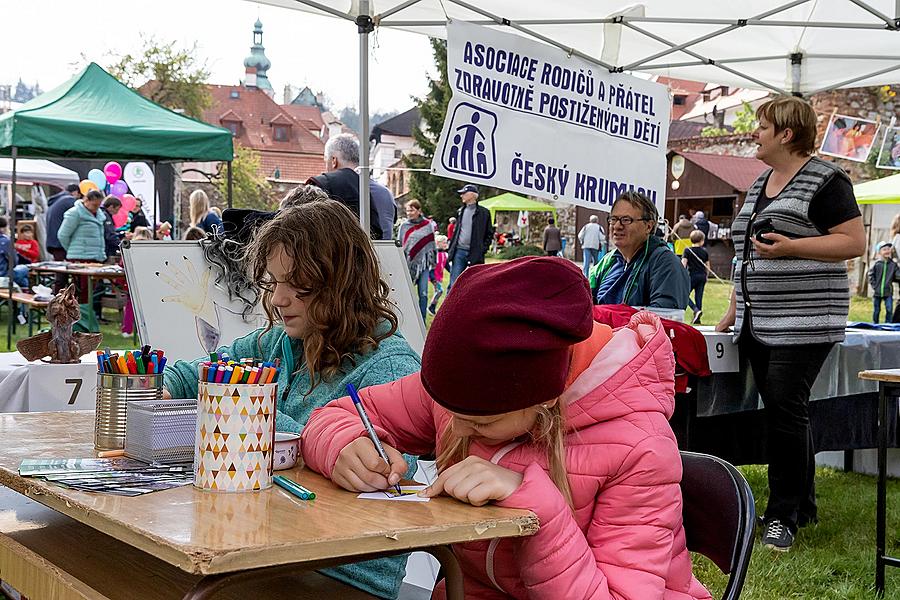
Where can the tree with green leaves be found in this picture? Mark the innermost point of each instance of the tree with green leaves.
(437, 194)
(249, 188)
(166, 74)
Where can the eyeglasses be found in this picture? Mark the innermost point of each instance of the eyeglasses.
(625, 221)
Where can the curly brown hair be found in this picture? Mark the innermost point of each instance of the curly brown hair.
(336, 267)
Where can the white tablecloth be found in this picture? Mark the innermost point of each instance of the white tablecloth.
(26, 386)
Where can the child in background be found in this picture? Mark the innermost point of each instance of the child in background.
(164, 230)
(140, 233)
(26, 246)
(881, 277)
(193, 233)
(696, 260)
(584, 401)
(437, 275)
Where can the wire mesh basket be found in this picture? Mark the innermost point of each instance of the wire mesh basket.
(114, 391)
(161, 431)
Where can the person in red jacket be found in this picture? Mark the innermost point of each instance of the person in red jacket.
(26, 246)
(555, 414)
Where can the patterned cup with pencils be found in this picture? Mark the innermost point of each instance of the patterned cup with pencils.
(235, 439)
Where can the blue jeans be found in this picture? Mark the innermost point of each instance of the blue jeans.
(888, 308)
(422, 289)
(20, 276)
(591, 256)
(460, 260)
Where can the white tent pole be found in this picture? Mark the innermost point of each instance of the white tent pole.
(722, 61)
(11, 251)
(869, 9)
(525, 30)
(755, 22)
(708, 61)
(326, 9)
(796, 72)
(365, 25)
(703, 38)
(396, 9)
(855, 79)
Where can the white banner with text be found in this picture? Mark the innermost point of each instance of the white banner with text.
(529, 118)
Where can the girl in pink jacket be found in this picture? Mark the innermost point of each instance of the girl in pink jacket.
(530, 404)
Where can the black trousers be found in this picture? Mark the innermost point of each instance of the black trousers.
(784, 376)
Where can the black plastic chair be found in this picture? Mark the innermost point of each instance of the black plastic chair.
(719, 516)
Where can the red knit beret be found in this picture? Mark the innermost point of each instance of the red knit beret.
(502, 339)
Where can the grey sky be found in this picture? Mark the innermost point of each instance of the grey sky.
(43, 39)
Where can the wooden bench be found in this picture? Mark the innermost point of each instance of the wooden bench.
(35, 307)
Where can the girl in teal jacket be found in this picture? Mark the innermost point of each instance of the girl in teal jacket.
(330, 323)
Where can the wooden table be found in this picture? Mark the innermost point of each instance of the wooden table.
(228, 538)
(888, 387)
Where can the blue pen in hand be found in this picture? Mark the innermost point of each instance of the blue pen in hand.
(369, 429)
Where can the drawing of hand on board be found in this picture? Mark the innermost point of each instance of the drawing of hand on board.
(192, 292)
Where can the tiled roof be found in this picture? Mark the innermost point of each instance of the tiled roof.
(310, 116)
(257, 111)
(291, 166)
(736, 171)
(679, 130)
(403, 124)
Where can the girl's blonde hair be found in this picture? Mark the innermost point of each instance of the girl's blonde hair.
(335, 269)
(549, 432)
(199, 202)
(142, 233)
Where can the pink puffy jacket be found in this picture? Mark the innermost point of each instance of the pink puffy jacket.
(624, 539)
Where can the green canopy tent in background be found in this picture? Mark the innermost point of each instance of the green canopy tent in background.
(95, 116)
(514, 202)
(875, 198)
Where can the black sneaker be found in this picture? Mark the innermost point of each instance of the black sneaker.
(696, 319)
(432, 309)
(777, 536)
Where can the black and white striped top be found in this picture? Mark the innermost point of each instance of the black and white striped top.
(791, 301)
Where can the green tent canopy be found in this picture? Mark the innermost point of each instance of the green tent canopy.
(94, 115)
(514, 202)
(878, 191)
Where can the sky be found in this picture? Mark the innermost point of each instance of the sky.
(44, 40)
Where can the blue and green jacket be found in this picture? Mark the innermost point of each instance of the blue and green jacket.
(392, 360)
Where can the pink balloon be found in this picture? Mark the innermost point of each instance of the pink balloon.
(121, 217)
(113, 172)
(128, 202)
(118, 189)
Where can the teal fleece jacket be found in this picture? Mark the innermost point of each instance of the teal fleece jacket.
(81, 233)
(392, 360)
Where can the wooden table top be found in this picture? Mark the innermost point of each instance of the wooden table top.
(209, 532)
(887, 375)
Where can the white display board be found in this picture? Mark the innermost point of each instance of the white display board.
(179, 308)
(62, 387)
(721, 350)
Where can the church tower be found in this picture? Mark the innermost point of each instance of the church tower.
(258, 62)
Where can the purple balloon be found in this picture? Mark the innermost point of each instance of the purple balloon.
(118, 189)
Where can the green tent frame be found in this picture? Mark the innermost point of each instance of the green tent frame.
(514, 202)
(95, 116)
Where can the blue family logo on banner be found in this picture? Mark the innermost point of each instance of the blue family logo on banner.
(529, 118)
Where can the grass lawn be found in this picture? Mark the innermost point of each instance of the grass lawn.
(833, 561)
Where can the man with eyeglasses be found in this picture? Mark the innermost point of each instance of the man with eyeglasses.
(642, 271)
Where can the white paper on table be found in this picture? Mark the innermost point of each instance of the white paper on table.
(392, 494)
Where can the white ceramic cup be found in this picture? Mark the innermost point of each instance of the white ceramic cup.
(287, 449)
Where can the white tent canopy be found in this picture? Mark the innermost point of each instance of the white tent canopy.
(802, 46)
(786, 46)
(37, 171)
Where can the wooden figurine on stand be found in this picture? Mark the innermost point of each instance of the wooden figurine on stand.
(61, 344)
